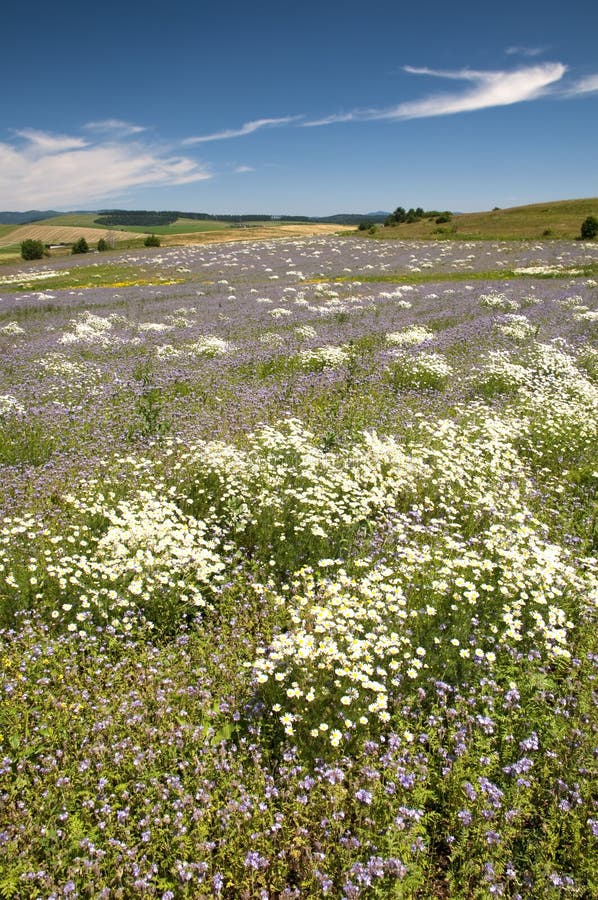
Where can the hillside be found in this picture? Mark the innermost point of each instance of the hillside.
(557, 219)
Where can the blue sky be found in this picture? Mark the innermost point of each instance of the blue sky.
(297, 107)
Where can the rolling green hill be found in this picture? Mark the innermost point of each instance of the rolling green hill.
(557, 219)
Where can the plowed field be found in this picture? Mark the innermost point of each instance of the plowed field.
(61, 234)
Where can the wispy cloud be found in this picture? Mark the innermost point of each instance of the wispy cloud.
(525, 51)
(44, 169)
(247, 128)
(587, 85)
(240, 170)
(114, 126)
(489, 89)
(43, 142)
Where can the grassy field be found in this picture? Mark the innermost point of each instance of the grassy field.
(561, 219)
(87, 220)
(181, 226)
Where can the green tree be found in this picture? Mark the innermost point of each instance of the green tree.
(152, 240)
(31, 249)
(589, 228)
(102, 245)
(80, 246)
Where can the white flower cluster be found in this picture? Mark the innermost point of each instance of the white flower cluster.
(12, 328)
(89, 329)
(424, 370)
(416, 334)
(498, 301)
(516, 327)
(208, 345)
(321, 358)
(10, 406)
(26, 277)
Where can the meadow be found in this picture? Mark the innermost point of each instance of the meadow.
(298, 571)
(555, 220)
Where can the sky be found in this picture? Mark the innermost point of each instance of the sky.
(306, 108)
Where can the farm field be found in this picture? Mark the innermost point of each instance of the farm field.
(56, 234)
(298, 570)
(87, 220)
(175, 235)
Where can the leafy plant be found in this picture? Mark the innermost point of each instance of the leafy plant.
(80, 246)
(589, 228)
(152, 240)
(31, 249)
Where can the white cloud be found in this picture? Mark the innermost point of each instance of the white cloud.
(240, 170)
(50, 143)
(587, 85)
(247, 128)
(56, 170)
(114, 126)
(489, 89)
(525, 51)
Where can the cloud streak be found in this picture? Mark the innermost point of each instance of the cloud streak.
(247, 128)
(488, 89)
(114, 126)
(587, 85)
(525, 51)
(45, 169)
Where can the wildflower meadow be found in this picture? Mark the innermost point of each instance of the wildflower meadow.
(298, 572)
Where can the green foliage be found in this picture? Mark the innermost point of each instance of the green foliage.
(31, 249)
(401, 215)
(149, 410)
(589, 228)
(80, 246)
(152, 240)
(137, 217)
(102, 245)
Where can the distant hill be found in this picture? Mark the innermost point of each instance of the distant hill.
(22, 218)
(537, 221)
(142, 217)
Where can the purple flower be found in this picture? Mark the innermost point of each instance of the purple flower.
(363, 796)
(465, 817)
(255, 860)
(492, 838)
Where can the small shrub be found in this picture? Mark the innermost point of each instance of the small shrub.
(443, 217)
(32, 249)
(102, 245)
(152, 240)
(589, 228)
(80, 246)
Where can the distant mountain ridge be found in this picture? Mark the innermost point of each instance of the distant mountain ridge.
(23, 218)
(34, 215)
(8, 217)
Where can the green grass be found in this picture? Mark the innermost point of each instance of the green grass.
(181, 226)
(97, 276)
(553, 220)
(71, 220)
